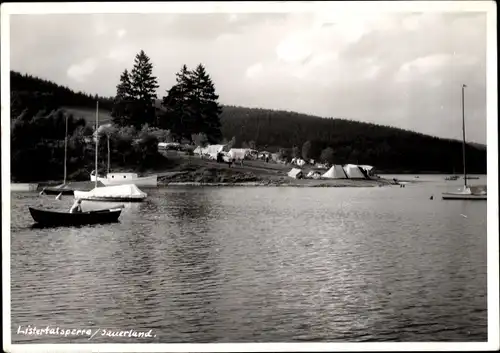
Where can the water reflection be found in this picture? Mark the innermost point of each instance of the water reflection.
(260, 264)
(193, 266)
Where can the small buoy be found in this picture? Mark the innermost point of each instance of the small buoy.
(432, 197)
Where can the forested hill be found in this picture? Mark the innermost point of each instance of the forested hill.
(38, 94)
(389, 149)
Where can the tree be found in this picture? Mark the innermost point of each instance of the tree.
(295, 152)
(191, 106)
(204, 102)
(121, 111)
(252, 145)
(136, 94)
(144, 86)
(327, 155)
(306, 150)
(178, 117)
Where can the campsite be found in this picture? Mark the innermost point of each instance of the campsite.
(220, 165)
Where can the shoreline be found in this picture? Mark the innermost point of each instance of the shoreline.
(300, 183)
(271, 184)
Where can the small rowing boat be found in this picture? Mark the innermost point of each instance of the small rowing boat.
(59, 218)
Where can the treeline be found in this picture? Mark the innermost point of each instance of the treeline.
(343, 141)
(33, 93)
(189, 108)
(189, 112)
(37, 147)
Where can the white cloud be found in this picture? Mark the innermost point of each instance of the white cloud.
(121, 33)
(352, 64)
(79, 72)
(254, 70)
(121, 53)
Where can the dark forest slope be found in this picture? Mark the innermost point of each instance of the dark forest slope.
(388, 148)
(352, 141)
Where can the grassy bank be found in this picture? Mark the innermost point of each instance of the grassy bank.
(192, 170)
(181, 169)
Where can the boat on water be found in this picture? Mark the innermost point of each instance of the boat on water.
(128, 193)
(126, 178)
(453, 177)
(467, 192)
(59, 218)
(121, 178)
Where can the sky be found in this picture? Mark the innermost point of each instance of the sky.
(403, 69)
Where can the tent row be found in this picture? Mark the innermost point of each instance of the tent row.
(337, 171)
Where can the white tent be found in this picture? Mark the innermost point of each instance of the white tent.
(213, 150)
(353, 171)
(238, 153)
(295, 173)
(335, 172)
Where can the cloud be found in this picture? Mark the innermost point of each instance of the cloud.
(400, 69)
(79, 72)
(254, 70)
(121, 32)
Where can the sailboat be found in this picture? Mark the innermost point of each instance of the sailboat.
(468, 192)
(66, 188)
(123, 178)
(128, 192)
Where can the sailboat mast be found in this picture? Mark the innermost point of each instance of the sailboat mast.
(463, 133)
(109, 156)
(96, 140)
(65, 150)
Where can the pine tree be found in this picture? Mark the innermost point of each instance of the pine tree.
(123, 101)
(143, 89)
(134, 103)
(178, 117)
(204, 102)
(192, 107)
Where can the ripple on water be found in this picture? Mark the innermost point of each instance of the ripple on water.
(258, 264)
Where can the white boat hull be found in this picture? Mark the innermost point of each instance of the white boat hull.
(150, 181)
(113, 193)
(83, 195)
(462, 196)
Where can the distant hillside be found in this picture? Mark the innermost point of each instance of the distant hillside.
(388, 148)
(39, 94)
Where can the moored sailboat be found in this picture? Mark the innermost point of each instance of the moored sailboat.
(129, 192)
(467, 192)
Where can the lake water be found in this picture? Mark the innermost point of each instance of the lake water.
(258, 264)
